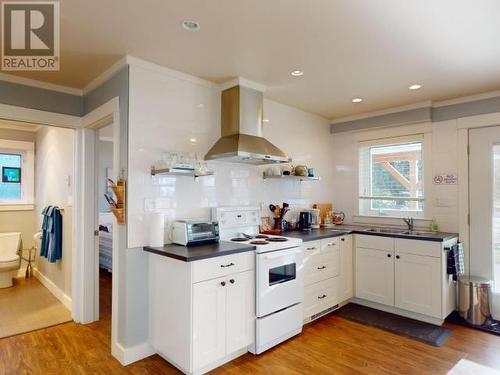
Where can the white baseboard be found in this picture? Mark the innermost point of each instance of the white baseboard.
(126, 356)
(53, 288)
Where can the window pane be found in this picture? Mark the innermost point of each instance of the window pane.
(396, 171)
(10, 191)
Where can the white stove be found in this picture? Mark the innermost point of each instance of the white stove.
(279, 287)
(265, 243)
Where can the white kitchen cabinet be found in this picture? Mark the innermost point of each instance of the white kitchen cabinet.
(375, 275)
(346, 280)
(418, 284)
(240, 314)
(328, 274)
(404, 276)
(209, 321)
(198, 324)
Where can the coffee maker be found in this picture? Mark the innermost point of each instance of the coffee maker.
(305, 220)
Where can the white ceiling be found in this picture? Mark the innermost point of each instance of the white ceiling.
(373, 49)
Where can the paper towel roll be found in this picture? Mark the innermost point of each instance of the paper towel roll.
(157, 230)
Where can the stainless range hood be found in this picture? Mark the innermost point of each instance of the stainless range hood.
(241, 130)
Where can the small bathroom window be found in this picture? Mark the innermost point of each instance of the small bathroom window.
(10, 184)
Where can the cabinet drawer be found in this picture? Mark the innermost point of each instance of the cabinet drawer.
(374, 242)
(416, 247)
(311, 248)
(330, 244)
(320, 296)
(222, 266)
(321, 267)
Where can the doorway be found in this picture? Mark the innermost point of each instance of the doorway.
(104, 170)
(36, 226)
(484, 207)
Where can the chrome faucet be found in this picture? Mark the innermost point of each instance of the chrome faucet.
(409, 223)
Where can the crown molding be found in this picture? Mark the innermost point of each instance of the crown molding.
(39, 84)
(104, 76)
(424, 104)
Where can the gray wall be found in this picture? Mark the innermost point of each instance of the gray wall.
(133, 290)
(435, 114)
(41, 99)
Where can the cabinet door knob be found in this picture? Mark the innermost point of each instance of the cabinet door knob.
(231, 281)
(388, 255)
(321, 268)
(321, 297)
(227, 265)
(311, 248)
(331, 244)
(397, 256)
(223, 283)
(342, 239)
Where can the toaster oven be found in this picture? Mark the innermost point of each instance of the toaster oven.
(194, 231)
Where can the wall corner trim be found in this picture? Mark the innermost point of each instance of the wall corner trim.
(128, 355)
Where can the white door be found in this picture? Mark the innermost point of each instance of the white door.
(375, 275)
(209, 321)
(484, 206)
(417, 283)
(346, 269)
(240, 311)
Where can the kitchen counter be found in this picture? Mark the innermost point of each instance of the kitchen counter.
(317, 234)
(198, 252)
(340, 230)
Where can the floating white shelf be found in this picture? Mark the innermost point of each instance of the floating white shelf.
(294, 178)
(170, 172)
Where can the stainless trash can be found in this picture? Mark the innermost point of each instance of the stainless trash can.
(474, 294)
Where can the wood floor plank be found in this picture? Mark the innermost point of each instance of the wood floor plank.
(330, 345)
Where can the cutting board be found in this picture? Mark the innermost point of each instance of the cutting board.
(323, 209)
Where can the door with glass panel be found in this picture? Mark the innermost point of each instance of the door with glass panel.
(484, 206)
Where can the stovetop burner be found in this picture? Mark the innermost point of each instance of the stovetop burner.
(261, 236)
(277, 239)
(259, 242)
(239, 239)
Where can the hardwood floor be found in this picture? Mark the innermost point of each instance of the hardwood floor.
(329, 346)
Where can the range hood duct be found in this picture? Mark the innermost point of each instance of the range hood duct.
(241, 130)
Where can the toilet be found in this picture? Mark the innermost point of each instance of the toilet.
(10, 260)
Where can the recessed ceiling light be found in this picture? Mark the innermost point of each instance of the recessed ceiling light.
(190, 25)
(357, 100)
(192, 140)
(297, 73)
(265, 120)
(416, 86)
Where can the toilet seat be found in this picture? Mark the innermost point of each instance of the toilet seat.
(9, 258)
(10, 262)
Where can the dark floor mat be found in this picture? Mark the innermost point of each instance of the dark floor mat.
(492, 326)
(414, 329)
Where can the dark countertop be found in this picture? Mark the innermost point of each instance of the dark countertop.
(198, 252)
(317, 234)
(340, 230)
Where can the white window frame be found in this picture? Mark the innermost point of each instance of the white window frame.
(27, 152)
(425, 139)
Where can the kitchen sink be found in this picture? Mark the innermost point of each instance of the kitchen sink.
(387, 230)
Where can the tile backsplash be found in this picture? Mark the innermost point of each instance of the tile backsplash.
(165, 115)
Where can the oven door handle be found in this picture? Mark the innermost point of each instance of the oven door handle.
(280, 254)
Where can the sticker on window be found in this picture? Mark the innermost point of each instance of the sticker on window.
(11, 175)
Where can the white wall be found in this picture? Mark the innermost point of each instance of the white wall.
(164, 113)
(105, 156)
(53, 165)
(167, 110)
(441, 201)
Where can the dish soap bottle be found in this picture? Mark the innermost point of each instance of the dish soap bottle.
(433, 226)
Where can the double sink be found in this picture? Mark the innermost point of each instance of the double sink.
(397, 231)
